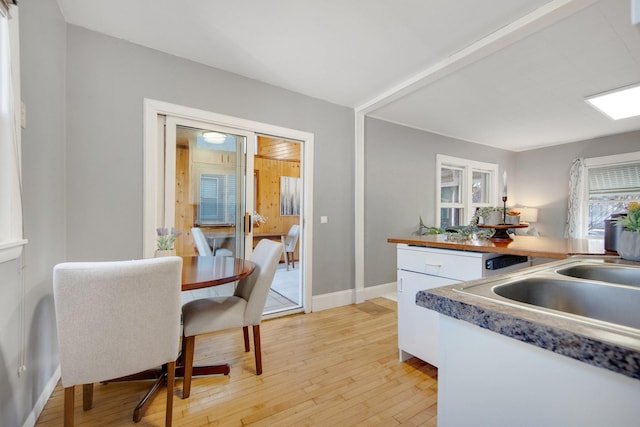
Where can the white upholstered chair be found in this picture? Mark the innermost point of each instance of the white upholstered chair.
(289, 245)
(243, 309)
(201, 242)
(116, 319)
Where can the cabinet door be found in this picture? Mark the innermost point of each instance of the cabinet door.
(417, 326)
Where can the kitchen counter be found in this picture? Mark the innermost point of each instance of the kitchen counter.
(597, 346)
(545, 247)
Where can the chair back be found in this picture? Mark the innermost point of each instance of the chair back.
(201, 242)
(292, 238)
(116, 318)
(255, 288)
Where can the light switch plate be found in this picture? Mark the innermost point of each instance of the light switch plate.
(324, 219)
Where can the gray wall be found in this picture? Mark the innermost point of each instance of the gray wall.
(107, 80)
(400, 186)
(83, 189)
(543, 176)
(42, 51)
(400, 183)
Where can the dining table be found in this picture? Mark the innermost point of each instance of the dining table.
(198, 272)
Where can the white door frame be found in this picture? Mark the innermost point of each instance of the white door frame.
(153, 174)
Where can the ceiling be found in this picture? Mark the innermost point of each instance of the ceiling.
(511, 74)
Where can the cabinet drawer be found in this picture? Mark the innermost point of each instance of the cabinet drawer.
(443, 263)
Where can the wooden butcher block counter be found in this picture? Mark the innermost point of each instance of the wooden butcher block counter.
(544, 247)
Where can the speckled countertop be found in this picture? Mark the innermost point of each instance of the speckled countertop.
(600, 346)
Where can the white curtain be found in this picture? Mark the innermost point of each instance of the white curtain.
(575, 226)
(10, 161)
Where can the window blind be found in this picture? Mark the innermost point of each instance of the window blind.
(613, 179)
(217, 199)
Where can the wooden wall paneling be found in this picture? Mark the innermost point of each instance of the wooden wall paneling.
(268, 197)
(185, 211)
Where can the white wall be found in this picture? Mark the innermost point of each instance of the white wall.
(42, 51)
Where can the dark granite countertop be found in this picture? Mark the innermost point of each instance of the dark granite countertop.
(603, 347)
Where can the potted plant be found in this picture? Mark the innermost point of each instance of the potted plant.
(165, 240)
(258, 219)
(629, 243)
(491, 215)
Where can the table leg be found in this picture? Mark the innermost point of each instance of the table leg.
(160, 377)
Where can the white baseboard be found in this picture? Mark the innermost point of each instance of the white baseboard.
(38, 407)
(338, 299)
(383, 290)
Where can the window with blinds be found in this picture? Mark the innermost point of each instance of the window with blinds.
(611, 188)
(217, 199)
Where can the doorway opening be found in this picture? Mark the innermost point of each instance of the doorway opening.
(278, 196)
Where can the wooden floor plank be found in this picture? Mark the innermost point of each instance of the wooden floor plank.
(335, 367)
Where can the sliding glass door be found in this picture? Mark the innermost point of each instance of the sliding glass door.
(207, 193)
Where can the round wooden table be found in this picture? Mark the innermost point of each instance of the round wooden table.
(205, 271)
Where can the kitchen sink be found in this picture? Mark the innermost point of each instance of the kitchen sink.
(613, 304)
(604, 273)
(598, 293)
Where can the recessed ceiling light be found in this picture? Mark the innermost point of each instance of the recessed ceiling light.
(214, 137)
(618, 104)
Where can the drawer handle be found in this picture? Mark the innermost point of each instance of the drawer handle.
(433, 265)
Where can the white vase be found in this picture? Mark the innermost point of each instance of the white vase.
(629, 245)
(513, 219)
(494, 218)
(164, 252)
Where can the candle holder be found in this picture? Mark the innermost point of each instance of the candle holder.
(504, 209)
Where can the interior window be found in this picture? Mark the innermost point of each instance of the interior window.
(217, 199)
(465, 185)
(11, 234)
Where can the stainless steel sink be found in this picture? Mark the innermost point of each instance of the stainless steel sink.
(601, 293)
(604, 273)
(613, 304)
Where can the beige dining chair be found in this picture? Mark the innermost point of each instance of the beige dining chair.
(243, 309)
(201, 242)
(289, 245)
(116, 319)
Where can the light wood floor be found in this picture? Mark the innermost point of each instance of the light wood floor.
(336, 367)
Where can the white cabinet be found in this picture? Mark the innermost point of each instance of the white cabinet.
(422, 268)
(417, 326)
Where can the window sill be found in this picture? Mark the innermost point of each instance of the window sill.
(11, 250)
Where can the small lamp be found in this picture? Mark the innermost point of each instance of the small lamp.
(528, 214)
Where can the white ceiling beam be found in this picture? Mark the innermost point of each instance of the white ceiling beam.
(540, 18)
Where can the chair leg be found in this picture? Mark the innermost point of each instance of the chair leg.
(171, 379)
(293, 261)
(188, 348)
(87, 396)
(257, 349)
(245, 333)
(68, 406)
